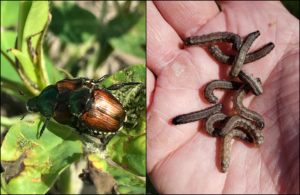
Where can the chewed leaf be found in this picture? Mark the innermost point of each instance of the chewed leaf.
(128, 183)
(42, 159)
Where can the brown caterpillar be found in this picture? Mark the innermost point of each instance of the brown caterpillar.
(216, 37)
(254, 84)
(244, 112)
(211, 130)
(219, 84)
(241, 55)
(239, 122)
(198, 115)
(225, 146)
(228, 59)
(210, 121)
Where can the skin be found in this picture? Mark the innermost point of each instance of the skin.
(183, 158)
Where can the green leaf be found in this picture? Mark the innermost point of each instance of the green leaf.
(8, 39)
(32, 165)
(133, 97)
(128, 183)
(9, 122)
(71, 23)
(134, 73)
(26, 64)
(23, 12)
(34, 18)
(9, 13)
(129, 151)
(139, 127)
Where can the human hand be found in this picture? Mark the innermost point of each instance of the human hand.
(183, 158)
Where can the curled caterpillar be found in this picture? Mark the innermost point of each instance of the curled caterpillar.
(245, 112)
(247, 125)
(219, 84)
(216, 37)
(251, 57)
(255, 85)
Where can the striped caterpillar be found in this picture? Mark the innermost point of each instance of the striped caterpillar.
(241, 55)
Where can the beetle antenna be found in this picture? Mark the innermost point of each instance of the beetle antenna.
(21, 93)
(44, 127)
(24, 115)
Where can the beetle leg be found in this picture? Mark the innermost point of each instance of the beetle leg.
(107, 139)
(92, 132)
(118, 86)
(44, 127)
(91, 90)
(78, 130)
(101, 138)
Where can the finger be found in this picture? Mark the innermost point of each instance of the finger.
(246, 5)
(162, 40)
(150, 87)
(187, 17)
(248, 16)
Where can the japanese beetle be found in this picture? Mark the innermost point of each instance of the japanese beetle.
(81, 104)
(97, 110)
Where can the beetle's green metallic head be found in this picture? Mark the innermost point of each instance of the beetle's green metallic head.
(32, 104)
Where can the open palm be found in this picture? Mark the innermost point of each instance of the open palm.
(184, 158)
